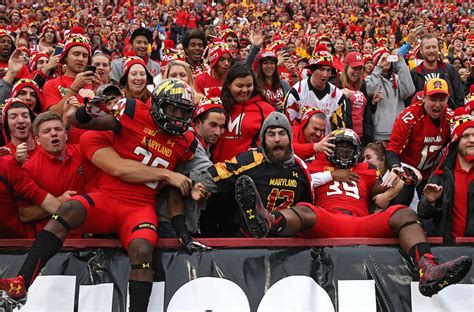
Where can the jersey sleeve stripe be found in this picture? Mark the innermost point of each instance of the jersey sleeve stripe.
(233, 167)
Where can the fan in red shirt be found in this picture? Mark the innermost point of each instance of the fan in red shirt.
(307, 220)
(29, 92)
(16, 119)
(308, 135)
(15, 20)
(447, 195)
(157, 137)
(7, 48)
(421, 131)
(58, 160)
(74, 81)
(220, 61)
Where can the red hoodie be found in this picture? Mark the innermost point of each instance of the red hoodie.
(242, 129)
(301, 148)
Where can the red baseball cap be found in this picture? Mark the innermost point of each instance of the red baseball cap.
(354, 59)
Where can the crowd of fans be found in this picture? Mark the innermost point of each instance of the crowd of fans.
(356, 108)
(344, 64)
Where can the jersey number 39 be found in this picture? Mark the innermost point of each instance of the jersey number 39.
(348, 189)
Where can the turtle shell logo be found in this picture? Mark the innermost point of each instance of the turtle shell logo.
(437, 84)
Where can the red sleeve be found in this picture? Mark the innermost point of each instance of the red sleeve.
(37, 72)
(303, 151)
(24, 73)
(51, 95)
(23, 185)
(92, 141)
(199, 83)
(401, 132)
(267, 109)
(394, 26)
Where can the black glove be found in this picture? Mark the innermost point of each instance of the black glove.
(184, 238)
(190, 244)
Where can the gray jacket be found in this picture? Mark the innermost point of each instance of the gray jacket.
(117, 68)
(5, 90)
(392, 104)
(193, 209)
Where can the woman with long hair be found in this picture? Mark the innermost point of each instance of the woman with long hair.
(102, 62)
(403, 189)
(339, 49)
(246, 109)
(135, 79)
(353, 86)
(274, 88)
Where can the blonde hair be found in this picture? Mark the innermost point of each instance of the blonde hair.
(186, 67)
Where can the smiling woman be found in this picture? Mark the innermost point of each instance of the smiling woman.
(268, 76)
(135, 79)
(246, 109)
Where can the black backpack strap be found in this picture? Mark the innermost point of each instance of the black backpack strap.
(257, 135)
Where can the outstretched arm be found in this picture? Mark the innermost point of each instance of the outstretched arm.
(81, 119)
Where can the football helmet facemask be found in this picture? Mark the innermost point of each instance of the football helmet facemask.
(172, 106)
(347, 151)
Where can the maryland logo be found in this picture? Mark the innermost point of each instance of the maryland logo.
(119, 108)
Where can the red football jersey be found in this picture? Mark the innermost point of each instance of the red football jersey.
(140, 139)
(354, 197)
(417, 140)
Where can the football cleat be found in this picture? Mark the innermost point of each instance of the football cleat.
(434, 277)
(257, 219)
(13, 291)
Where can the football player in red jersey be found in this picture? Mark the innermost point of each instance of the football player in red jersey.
(420, 131)
(156, 136)
(343, 219)
(347, 197)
